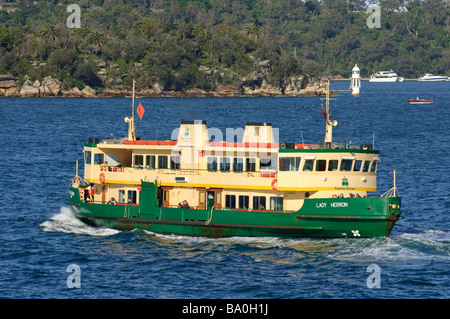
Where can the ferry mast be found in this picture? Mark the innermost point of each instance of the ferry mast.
(130, 121)
(329, 123)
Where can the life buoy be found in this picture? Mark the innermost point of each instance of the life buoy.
(101, 179)
(274, 182)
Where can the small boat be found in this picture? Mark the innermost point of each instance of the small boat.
(420, 101)
(386, 76)
(432, 78)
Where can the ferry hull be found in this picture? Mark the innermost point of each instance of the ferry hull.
(320, 218)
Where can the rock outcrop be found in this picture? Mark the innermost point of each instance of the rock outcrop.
(257, 83)
(8, 85)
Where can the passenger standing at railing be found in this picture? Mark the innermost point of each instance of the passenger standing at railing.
(91, 192)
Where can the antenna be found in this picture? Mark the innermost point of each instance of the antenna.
(301, 133)
(130, 121)
(329, 124)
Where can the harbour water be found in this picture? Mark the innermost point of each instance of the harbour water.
(46, 253)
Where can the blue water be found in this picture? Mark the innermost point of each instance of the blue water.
(39, 239)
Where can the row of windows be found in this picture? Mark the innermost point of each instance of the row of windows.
(163, 161)
(132, 196)
(259, 202)
(290, 164)
(226, 164)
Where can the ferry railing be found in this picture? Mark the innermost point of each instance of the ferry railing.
(393, 192)
(187, 171)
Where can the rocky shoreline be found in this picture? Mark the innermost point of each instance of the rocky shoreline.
(254, 84)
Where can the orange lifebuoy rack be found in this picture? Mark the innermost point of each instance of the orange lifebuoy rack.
(274, 182)
(101, 179)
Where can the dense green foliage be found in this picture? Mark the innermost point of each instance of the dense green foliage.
(205, 43)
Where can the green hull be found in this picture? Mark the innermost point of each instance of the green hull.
(322, 218)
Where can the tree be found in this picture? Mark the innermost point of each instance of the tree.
(97, 38)
(50, 32)
(85, 73)
(253, 31)
(147, 27)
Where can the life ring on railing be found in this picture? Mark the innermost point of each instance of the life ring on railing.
(101, 178)
(274, 183)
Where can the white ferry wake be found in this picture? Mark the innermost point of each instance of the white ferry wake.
(66, 222)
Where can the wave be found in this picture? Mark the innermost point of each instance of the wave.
(423, 245)
(66, 222)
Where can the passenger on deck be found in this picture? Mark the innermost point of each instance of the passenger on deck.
(112, 201)
(90, 193)
(185, 204)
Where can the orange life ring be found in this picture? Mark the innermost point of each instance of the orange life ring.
(274, 181)
(101, 179)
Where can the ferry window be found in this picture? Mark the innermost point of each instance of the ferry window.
(321, 165)
(250, 165)
(243, 201)
(266, 163)
(87, 157)
(309, 165)
(238, 164)
(212, 164)
(346, 165)
(132, 198)
(99, 158)
(230, 201)
(175, 162)
(225, 164)
(218, 197)
(150, 161)
(259, 202)
(374, 167)
(289, 164)
(121, 195)
(276, 203)
(138, 161)
(162, 161)
(333, 165)
(357, 167)
(366, 166)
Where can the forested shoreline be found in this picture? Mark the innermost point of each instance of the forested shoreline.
(275, 46)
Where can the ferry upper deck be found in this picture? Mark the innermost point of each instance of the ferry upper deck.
(256, 165)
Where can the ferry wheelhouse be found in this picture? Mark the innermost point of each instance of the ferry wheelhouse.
(254, 187)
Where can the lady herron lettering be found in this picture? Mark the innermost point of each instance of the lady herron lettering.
(333, 205)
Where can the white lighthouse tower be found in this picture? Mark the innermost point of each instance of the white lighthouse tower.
(356, 81)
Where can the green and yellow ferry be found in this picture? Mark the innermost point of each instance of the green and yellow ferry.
(193, 186)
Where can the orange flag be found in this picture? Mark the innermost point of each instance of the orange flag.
(140, 111)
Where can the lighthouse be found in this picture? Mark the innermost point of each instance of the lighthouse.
(356, 81)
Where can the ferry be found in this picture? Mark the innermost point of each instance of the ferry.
(256, 186)
(433, 78)
(420, 101)
(385, 76)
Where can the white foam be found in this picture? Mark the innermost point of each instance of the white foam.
(66, 222)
